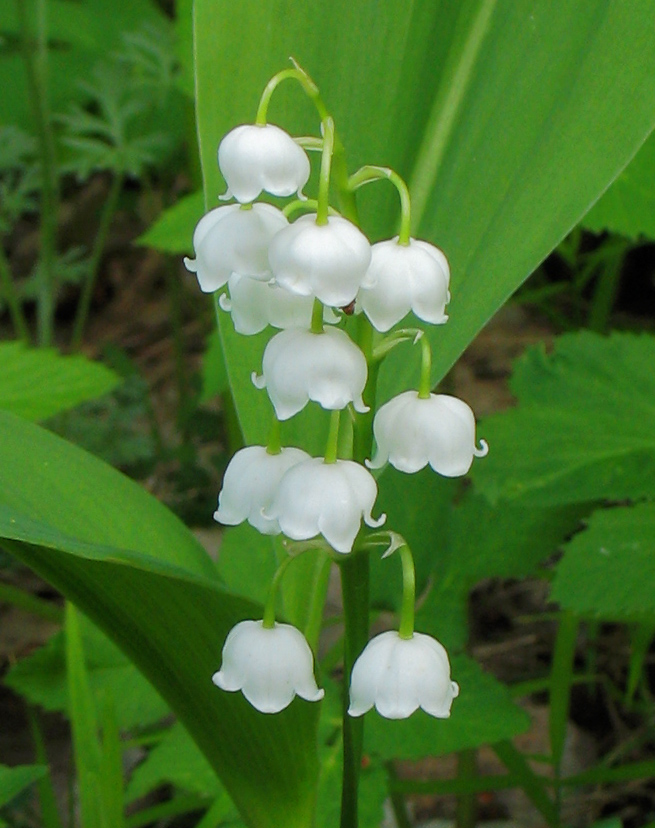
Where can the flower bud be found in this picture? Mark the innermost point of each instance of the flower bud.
(399, 675)
(401, 278)
(269, 665)
(329, 499)
(411, 432)
(249, 484)
(328, 261)
(299, 366)
(253, 158)
(231, 240)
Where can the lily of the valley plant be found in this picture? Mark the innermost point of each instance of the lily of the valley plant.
(306, 277)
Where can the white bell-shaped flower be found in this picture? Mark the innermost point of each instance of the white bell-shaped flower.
(231, 240)
(269, 665)
(328, 261)
(299, 366)
(249, 484)
(253, 158)
(401, 278)
(254, 305)
(329, 499)
(399, 675)
(411, 432)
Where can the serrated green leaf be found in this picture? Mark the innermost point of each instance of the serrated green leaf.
(37, 383)
(483, 713)
(14, 780)
(458, 539)
(508, 120)
(628, 206)
(134, 569)
(582, 430)
(173, 230)
(608, 571)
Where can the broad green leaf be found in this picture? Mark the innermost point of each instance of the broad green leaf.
(508, 120)
(608, 571)
(14, 780)
(628, 206)
(136, 572)
(37, 383)
(582, 430)
(482, 714)
(41, 678)
(173, 230)
(177, 761)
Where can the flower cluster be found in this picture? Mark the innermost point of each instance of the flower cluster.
(305, 277)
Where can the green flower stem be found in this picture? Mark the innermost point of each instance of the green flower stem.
(371, 173)
(308, 85)
(355, 591)
(35, 56)
(307, 204)
(363, 429)
(108, 212)
(324, 176)
(467, 771)
(406, 629)
(268, 621)
(425, 383)
(331, 449)
(317, 317)
(11, 298)
(274, 445)
(388, 343)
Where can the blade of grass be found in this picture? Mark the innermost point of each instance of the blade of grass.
(47, 800)
(112, 782)
(86, 746)
(533, 786)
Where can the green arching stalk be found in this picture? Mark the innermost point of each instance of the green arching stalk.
(324, 176)
(11, 298)
(303, 79)
(406, 627)
(370, 173)
(317, 317)
(108, 211)
(268, 621)
(274, 444)
(332, 446)
(425, 383)
(36, 66)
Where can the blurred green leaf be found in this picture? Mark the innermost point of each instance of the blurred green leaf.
(79, 32)
(608, 571)
(135, 570)
(214, 375)
(176, 760)
(628, 206)
(482, 714)
(583, 428)
(15, 780)
(173, 230)
(41, 678)
(508, 120)
(37, 383)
